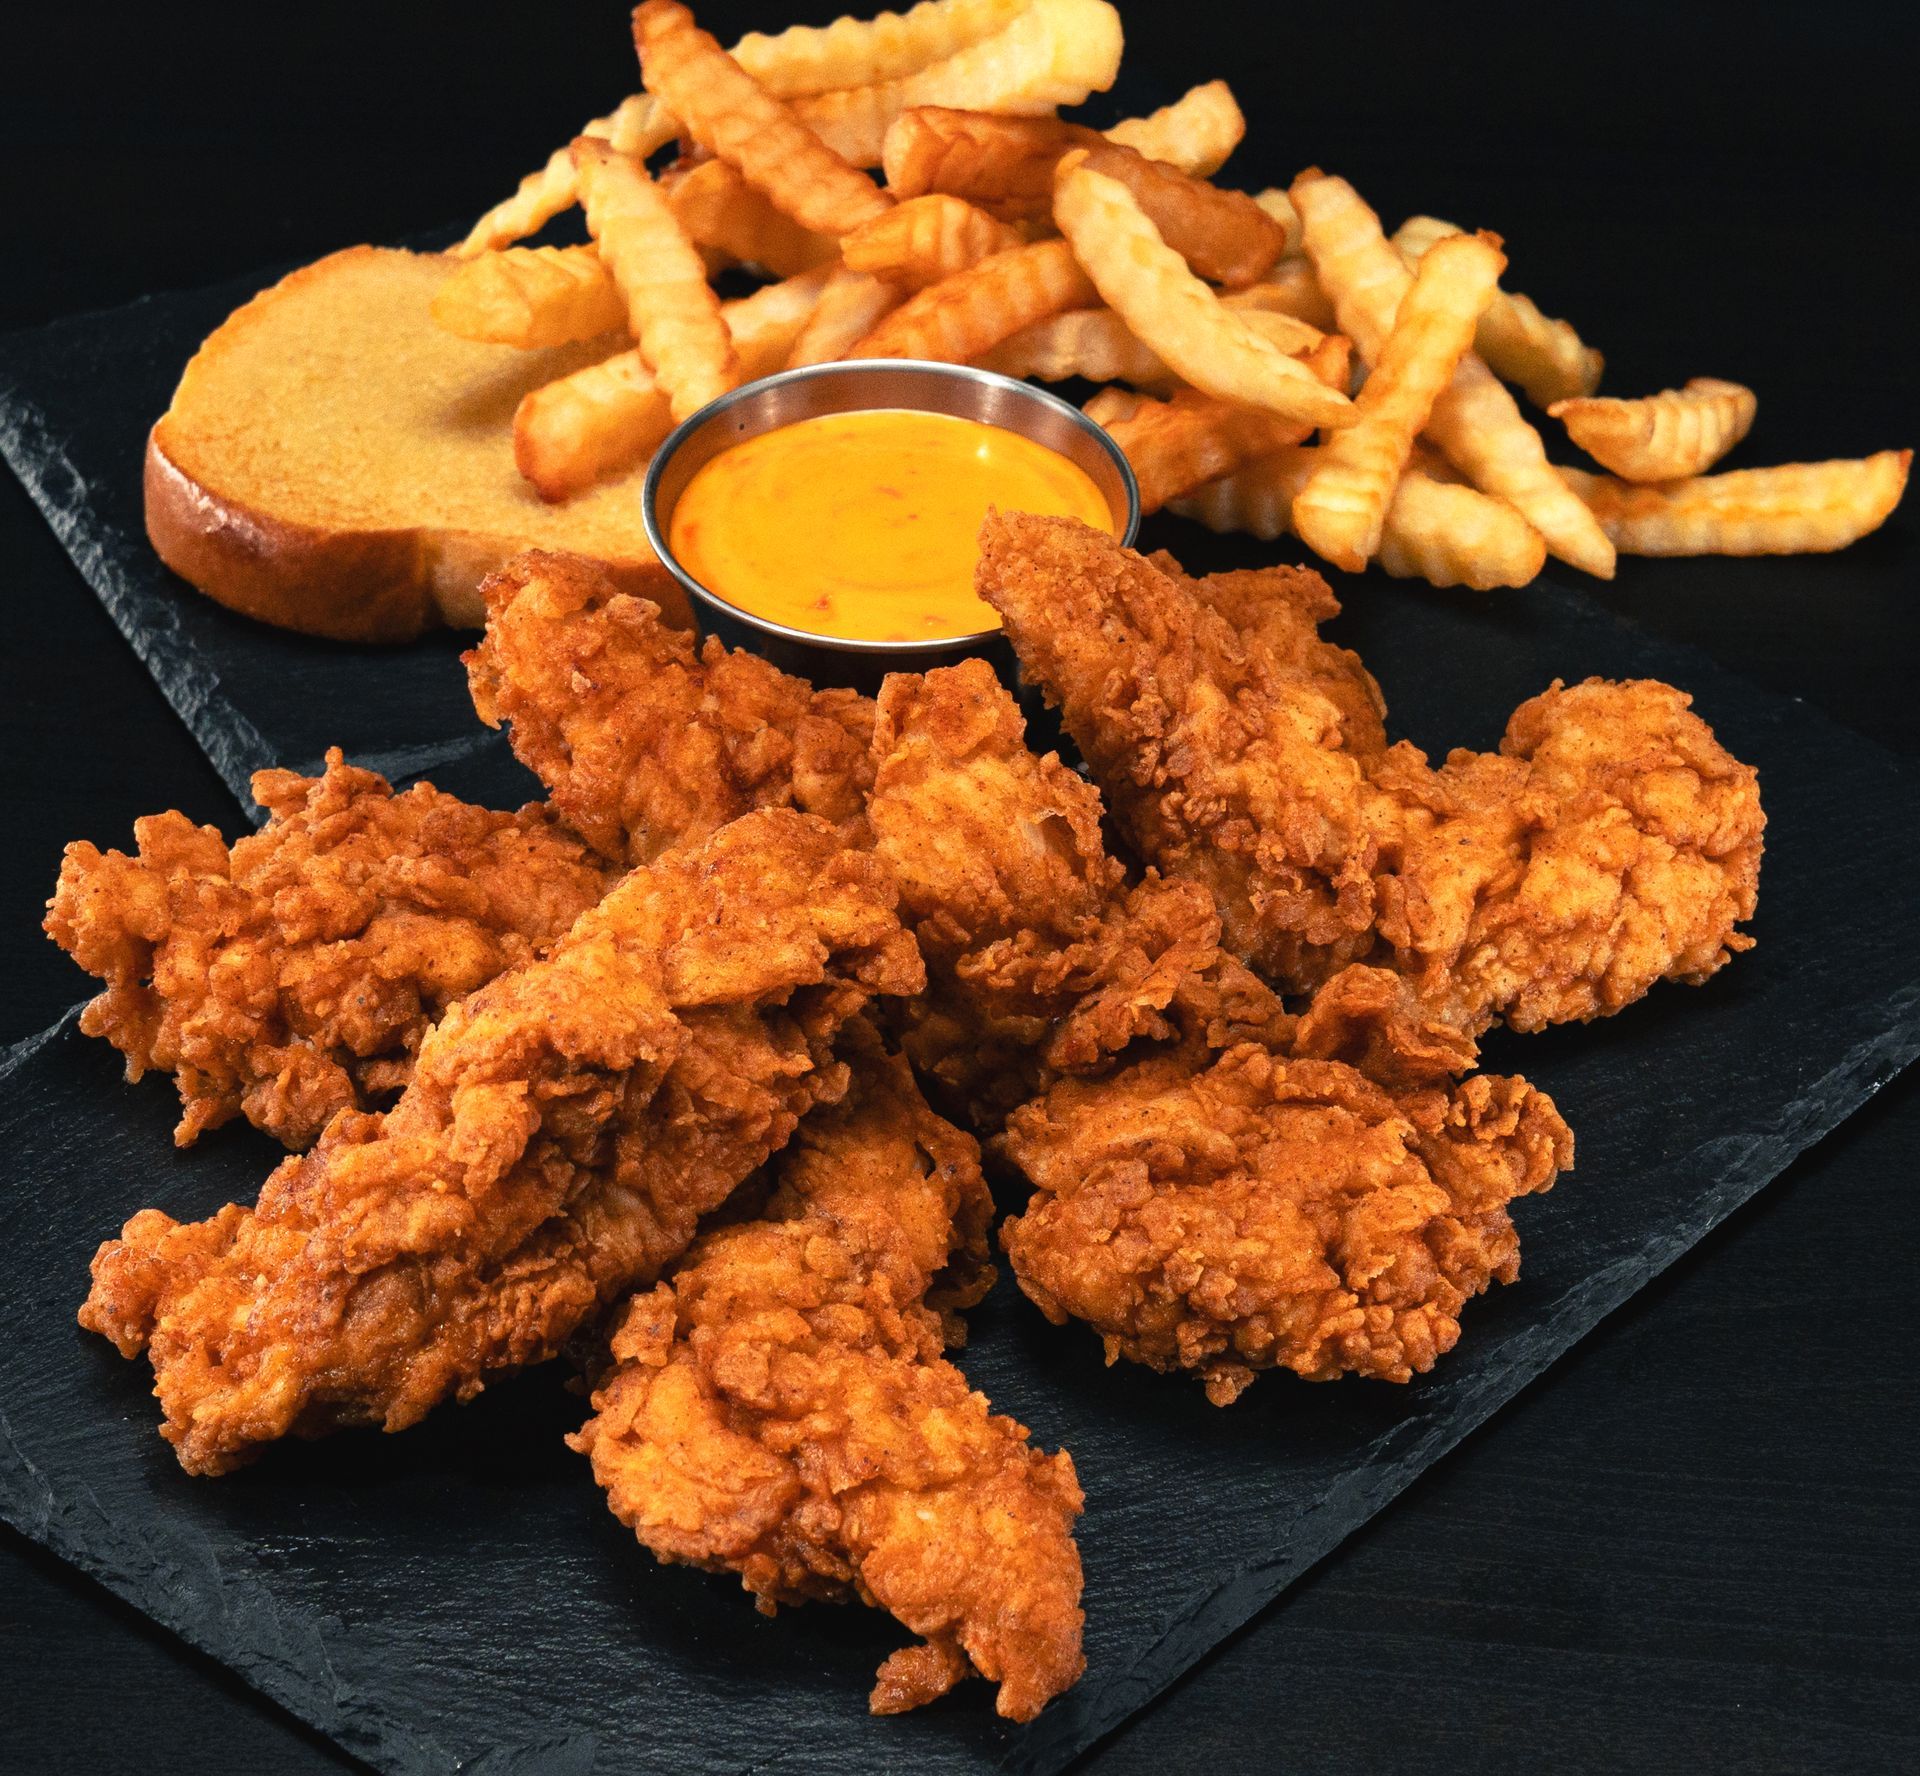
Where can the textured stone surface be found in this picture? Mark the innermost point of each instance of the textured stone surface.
(457, 1597)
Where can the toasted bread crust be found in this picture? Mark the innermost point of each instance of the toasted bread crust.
(383, 582)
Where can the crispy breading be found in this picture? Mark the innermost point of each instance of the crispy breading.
(1041, 959)
(1270, 1212)
(782, 1409)
(294, 975)
(565, 1128)
(644, 738)
(1610, 844)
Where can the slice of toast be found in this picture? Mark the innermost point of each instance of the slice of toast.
(333, 462)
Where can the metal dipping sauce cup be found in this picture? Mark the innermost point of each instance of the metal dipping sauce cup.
(850, 387)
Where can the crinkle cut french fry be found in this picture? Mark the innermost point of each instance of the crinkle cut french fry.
(607, 417)
(610, 416)
(789, 64)
(1177, 444)
(671, 310)
(1438, 531)
(1792, 509)
(1141, 277)
(1097, 344)
(1474, 420)
(1006, 165)
(968, 314)
(1545, 357)
(1002, 164)
(1279, 206)
(1054, 53)
(850, 307)
(732, 117)
(638, 126)
(1108, 405)
(1665, 437)
(807, 59)
(1290, 288)
(1342, 511)
(925, 239)
(722, 212)
(530, 297)
(1196, 133)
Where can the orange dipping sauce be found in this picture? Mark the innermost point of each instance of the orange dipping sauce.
(866, 526)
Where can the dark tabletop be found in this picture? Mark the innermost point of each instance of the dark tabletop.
(1693, 1544)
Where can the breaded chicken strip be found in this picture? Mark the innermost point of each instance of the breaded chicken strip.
(1041, 960)
(565, 1128)
(1268, 1212)
(644, 738)
(1610, 844)
(783, 1409)
(295, 974)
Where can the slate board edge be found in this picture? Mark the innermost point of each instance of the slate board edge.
(1047, 1749)
(233, 745)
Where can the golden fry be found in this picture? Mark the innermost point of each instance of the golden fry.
(1474, 421)
(1143, 279)
(720, 211)
(1277, 204)
(1224, 236)
(1195, 133)
(609, 416)
(850, 307)
(638, 126)
(1547, 358)
(961, 317)
(1178, 444)
(1006, 165)
(1108, 406)
(1342, 511)
(1438, 531)
(925, 239)
(1097, 344)
(807, 59)
(1002, 164)
(672, 312)
(788, 64)
(596, 422)
(1666, 437)
(731, 116)
(1290, 288)
(1053, 53)
(1795, 509)
(531, 297)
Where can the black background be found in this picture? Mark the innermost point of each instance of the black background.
(1693, 1546)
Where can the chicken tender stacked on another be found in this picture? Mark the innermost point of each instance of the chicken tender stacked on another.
(565, 1128)
(783, 1409)
(1267, 1212)
(1219, 1186)
(1610, 844)
(295, 975)
(1041, 960)
(644, 738)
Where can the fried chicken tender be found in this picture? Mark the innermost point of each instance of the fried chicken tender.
(295, 975)
(1041, 959)
(565, 1128)
(782, 1409)
(1611, 843)
(644, 738)
(1269, 1212)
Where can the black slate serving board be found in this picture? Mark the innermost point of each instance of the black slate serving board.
(458, 1598)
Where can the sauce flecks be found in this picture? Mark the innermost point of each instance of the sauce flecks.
(866, 525)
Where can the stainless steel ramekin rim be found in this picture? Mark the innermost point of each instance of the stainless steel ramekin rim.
(932, 369)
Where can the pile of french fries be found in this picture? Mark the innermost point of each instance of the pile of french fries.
(1275, 362)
